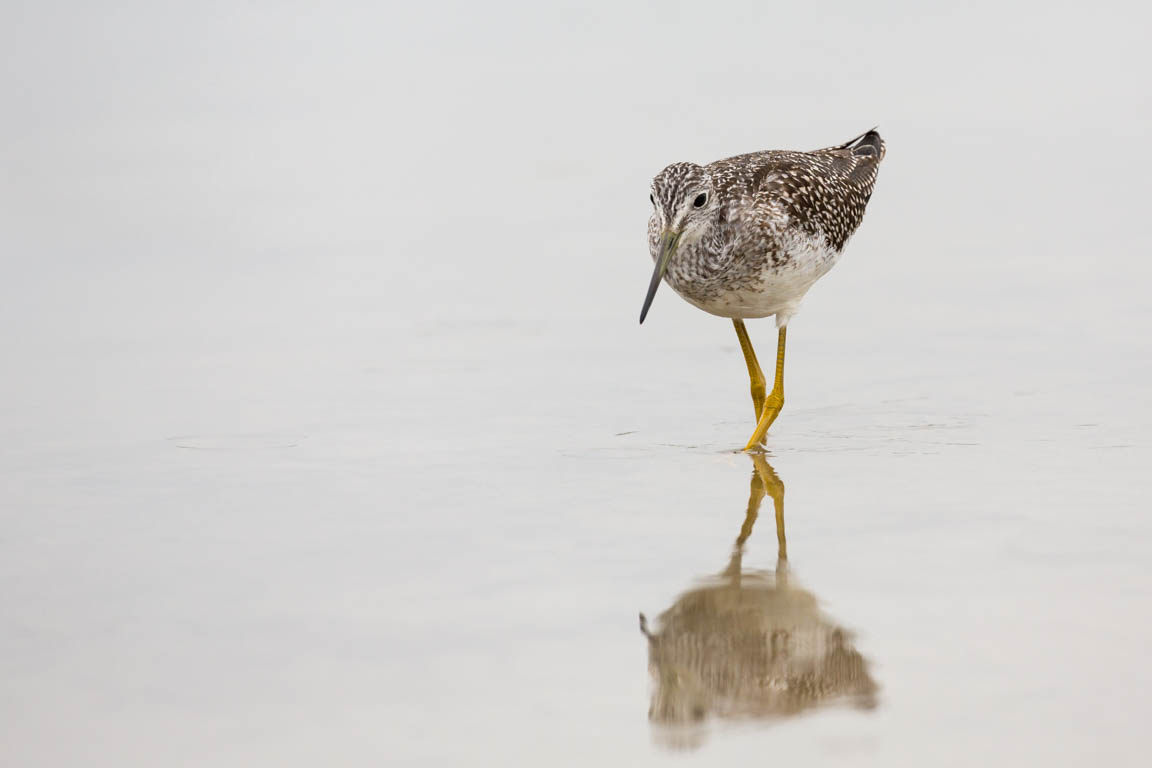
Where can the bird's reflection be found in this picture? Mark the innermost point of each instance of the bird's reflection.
(749, 644)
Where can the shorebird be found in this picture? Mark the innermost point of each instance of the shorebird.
(748, 236)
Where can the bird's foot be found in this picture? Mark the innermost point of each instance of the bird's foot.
(772, 406)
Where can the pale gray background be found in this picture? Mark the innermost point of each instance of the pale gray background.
(318, 330)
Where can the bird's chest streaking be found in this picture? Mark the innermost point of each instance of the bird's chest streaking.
(751, 277)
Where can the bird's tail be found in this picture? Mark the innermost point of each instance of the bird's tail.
(865, 145)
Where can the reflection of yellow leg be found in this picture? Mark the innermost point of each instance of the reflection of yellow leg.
(765, 482)
(755, 496)
(774, 487)
(775, 399)
(754, 372)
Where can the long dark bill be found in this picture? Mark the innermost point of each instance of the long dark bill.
(668, 242)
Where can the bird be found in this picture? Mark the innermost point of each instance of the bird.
(748, 236)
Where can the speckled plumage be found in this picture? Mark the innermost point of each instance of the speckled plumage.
(771, 224)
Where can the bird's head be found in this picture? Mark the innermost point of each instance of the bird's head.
(683, 206)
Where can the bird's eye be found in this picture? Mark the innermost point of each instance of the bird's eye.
(652, 198)
(700, 200)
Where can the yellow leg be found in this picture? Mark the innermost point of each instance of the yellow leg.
(754, 372)
(775, 399)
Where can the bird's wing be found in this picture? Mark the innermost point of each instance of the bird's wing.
(822, 193)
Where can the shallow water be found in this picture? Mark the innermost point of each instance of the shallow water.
(258, 553)
(330, 435)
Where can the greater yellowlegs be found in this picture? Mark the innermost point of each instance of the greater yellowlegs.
(748, 236)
